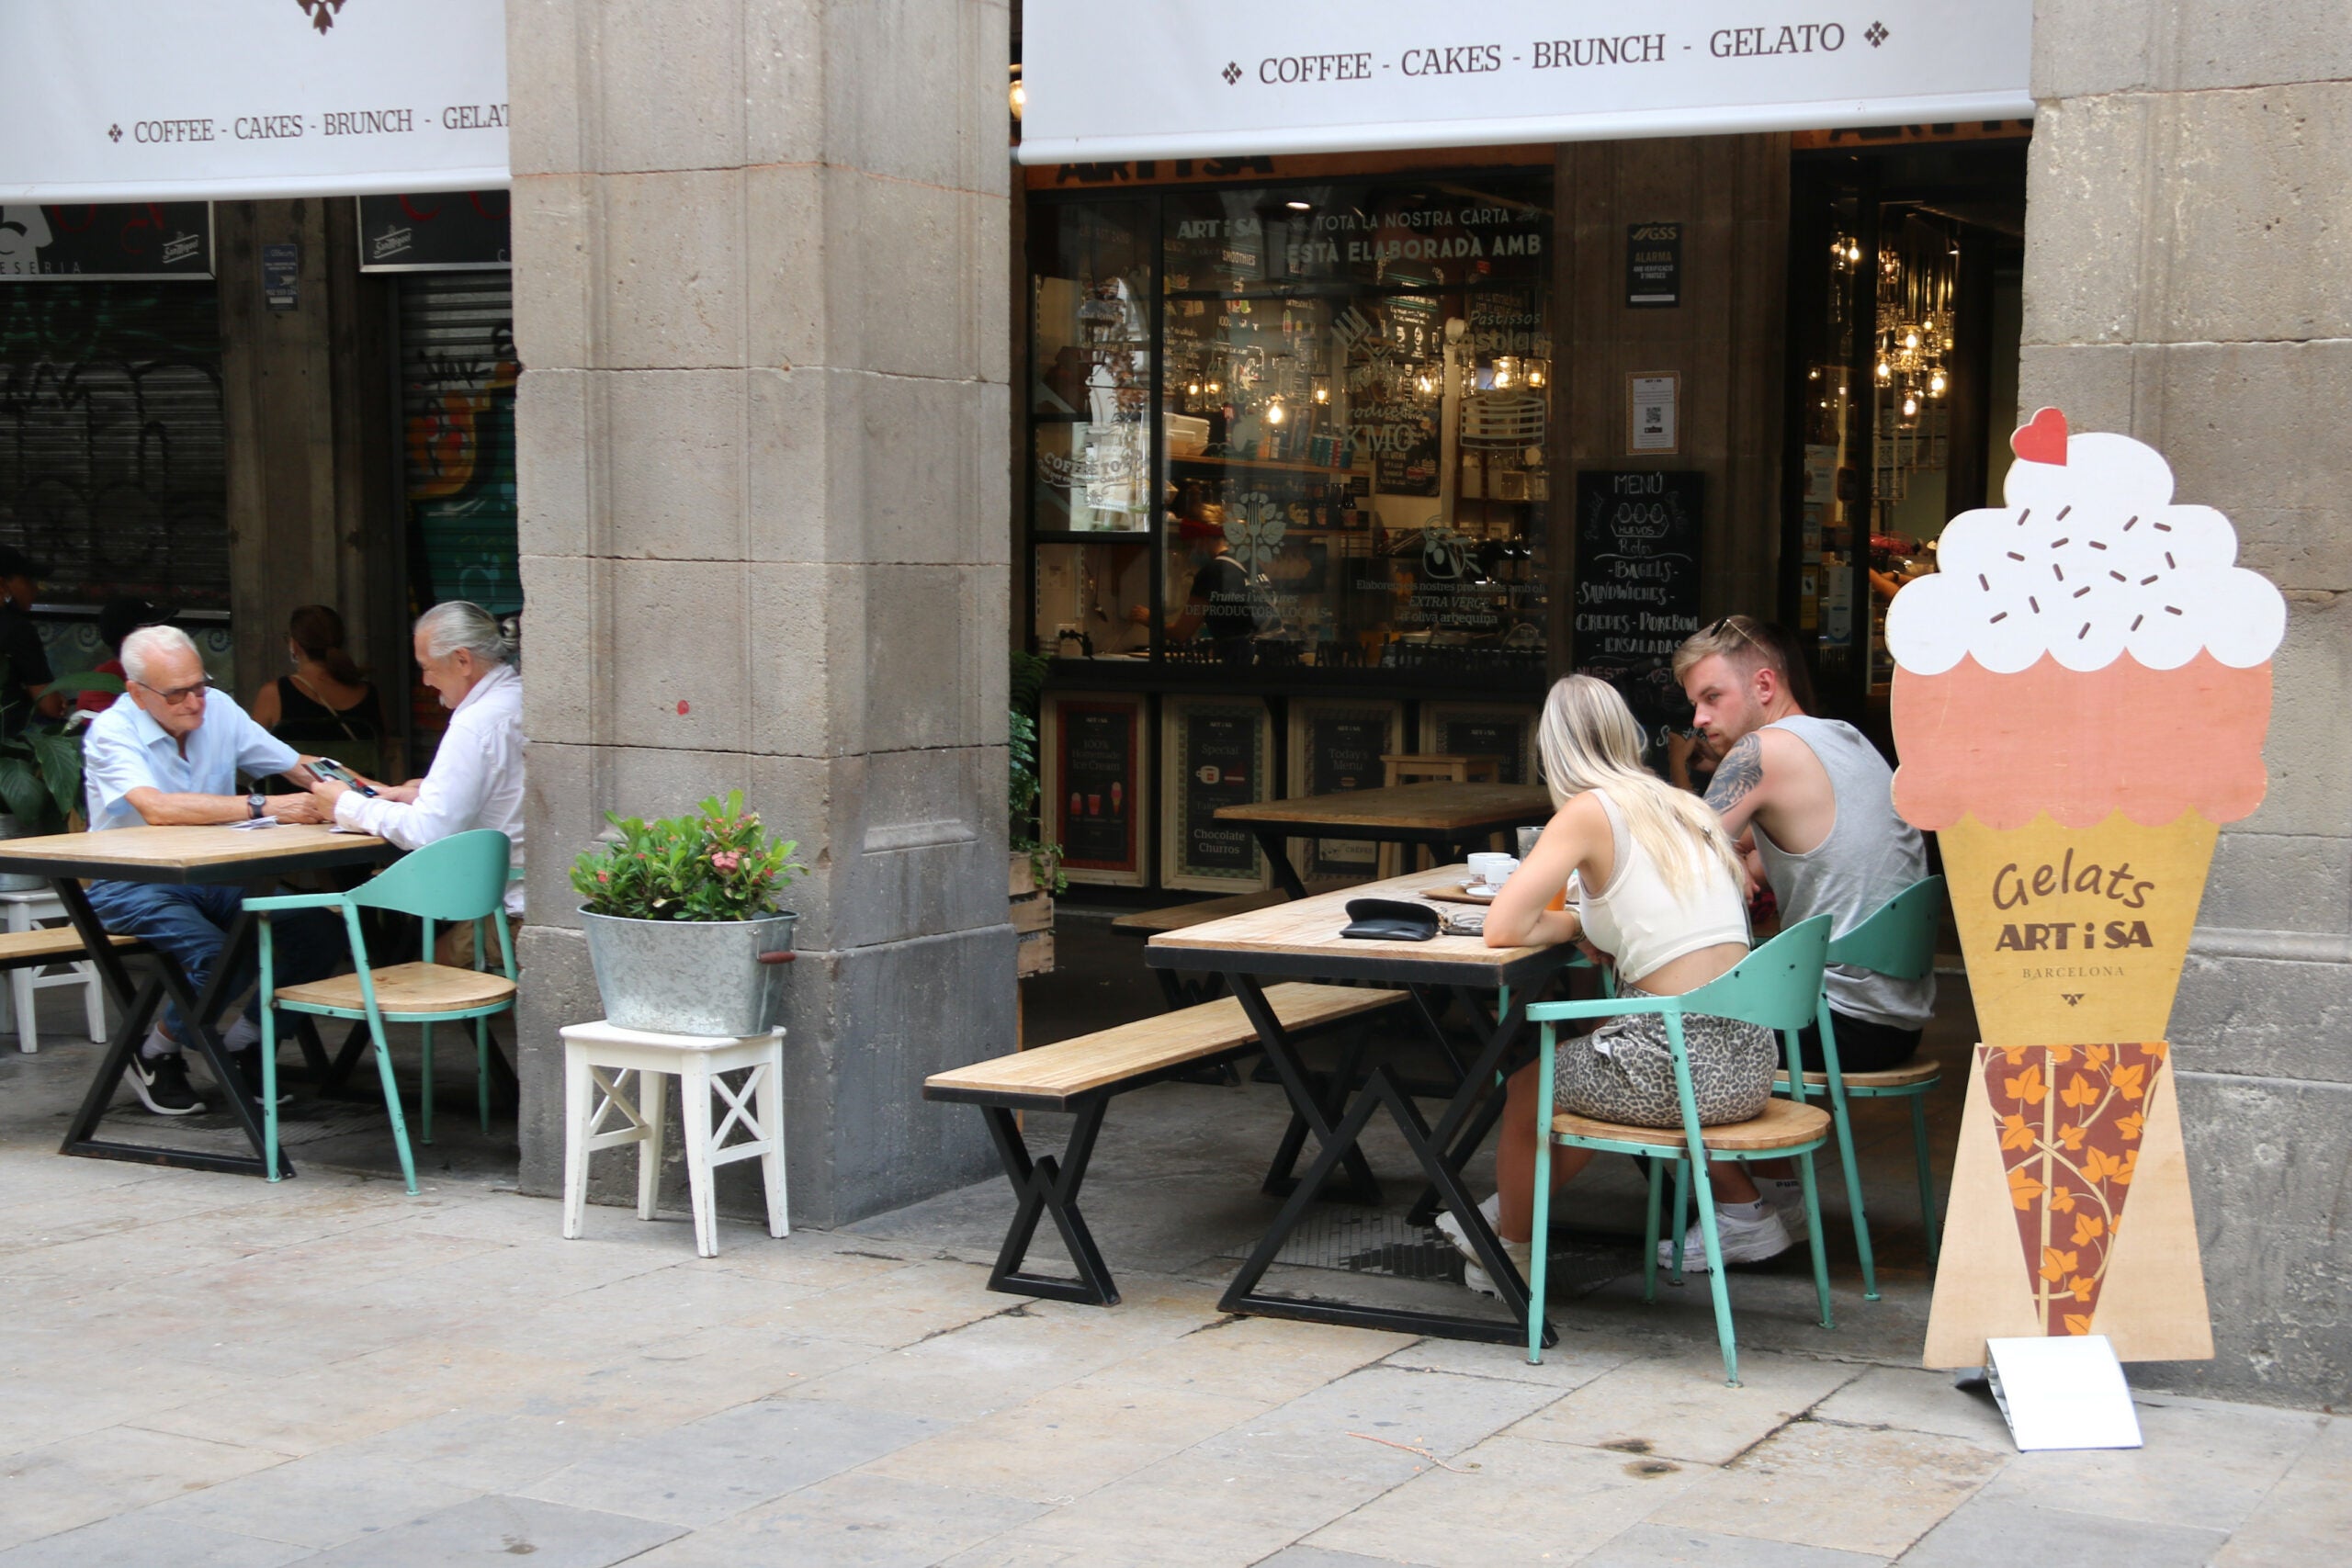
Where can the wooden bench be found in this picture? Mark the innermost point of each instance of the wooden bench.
(53, 944)
(1081, 1076)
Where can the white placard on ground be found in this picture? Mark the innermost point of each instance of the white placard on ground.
(2062, 1393)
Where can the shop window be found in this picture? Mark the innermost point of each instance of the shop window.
(1328, 405)
(1089, 356)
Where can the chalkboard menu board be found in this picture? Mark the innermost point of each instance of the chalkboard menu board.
(1637, 586)
(1097, 747)
(1338, 746)
(1217, 754)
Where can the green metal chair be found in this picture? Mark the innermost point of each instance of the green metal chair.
(462, 878)
(1779, 987)
(1897, 939)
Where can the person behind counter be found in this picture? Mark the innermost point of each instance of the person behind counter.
(1218, 603)
(326, 705)
(1671, 914)
(170, 757)
(476, 779)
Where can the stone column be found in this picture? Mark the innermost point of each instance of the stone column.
(760, 447)
(2188, 279)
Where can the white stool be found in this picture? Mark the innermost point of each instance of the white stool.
(597, 1061)
(26, 911)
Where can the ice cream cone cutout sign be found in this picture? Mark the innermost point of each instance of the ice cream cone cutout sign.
(2080, 696)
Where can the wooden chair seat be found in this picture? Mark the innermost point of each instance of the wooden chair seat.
(1050, 1078)
(1784, 1124)
(406, 989)
(1909, 1074)
(1150, 923)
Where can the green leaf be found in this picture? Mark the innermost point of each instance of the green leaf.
(22, 791)
(85, 680)
(58, 756)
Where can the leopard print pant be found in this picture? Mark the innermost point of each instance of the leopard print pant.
(1623, 1071)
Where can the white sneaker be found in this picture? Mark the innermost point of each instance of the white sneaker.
(1786, 1194)
(1743, 1241)
(1474, 1273)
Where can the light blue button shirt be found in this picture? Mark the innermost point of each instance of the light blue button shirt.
(126, 750)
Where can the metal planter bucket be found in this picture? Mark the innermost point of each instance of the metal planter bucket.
(690, 977)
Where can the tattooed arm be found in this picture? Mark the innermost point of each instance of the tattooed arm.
(1736, 791)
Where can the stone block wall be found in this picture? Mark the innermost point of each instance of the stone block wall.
(2189, 280)
(761, 450)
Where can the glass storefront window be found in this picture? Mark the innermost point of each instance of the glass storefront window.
(1355, 401)
(1347, 469)
(1089, 391)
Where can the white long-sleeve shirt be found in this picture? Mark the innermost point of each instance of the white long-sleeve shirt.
(475, 780)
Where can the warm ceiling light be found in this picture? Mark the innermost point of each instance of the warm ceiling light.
(1299, 206)
(1910, 408)
(1936, 384)
(1274, 415)
(1885, 370)
(1322, 394)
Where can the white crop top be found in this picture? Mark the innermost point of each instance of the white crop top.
(1639, 920)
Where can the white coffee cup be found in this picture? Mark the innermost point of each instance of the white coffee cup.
(1489, 870)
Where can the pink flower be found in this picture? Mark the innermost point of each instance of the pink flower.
(727, 860)
(604, 876)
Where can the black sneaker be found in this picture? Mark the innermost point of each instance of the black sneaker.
(162, 1084)
(247, 1064)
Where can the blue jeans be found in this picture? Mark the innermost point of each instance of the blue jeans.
(192, 923)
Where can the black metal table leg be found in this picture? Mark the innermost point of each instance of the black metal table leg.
(1335, 1087)
(1274, 844)
(195, 1011)
(1473, 1112)
(1297, 1083)
(1047, 1186)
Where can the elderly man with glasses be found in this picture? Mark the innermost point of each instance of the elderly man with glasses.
(167, 753)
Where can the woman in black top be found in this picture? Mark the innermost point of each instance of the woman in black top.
(326, 707)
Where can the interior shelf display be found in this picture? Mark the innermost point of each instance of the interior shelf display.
(1347, 462)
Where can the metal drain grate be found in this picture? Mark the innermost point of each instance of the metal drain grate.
(1368, 1241)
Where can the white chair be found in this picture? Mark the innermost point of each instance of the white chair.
(597, 1061)
(28, 911)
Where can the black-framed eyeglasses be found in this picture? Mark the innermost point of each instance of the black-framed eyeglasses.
(176, 694)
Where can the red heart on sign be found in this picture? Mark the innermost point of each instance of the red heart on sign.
(2041, 439)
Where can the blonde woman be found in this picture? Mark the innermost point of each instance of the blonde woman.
(1670, 913)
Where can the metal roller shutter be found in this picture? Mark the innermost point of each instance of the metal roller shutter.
(111, 447)
(457, 374)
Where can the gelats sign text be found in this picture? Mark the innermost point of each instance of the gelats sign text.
(154, 100)
(1224, 78)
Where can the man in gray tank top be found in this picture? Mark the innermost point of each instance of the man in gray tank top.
(1812, 802)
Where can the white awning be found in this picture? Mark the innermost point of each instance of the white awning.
(1230, 78)
(181, 100)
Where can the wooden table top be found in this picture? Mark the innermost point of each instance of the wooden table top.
(1303, 937)
(186, 854)
(1458, 810)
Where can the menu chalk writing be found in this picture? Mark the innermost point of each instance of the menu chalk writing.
(1637, 586)
(1222, 758)
(1096, 784)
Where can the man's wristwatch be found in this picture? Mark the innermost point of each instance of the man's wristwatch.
(256, 804)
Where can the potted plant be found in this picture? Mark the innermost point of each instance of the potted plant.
(1036, 873)
(683, 926)
(40, 773)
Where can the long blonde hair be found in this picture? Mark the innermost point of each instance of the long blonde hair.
(1589, 740)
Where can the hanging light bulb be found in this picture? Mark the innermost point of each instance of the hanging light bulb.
(1936, 385)
(1502, 372)
(1911, 338)
(1853, 251)
(1322, 394)
(1423, 384)
(1217, 386)
(1535, 378)
(1910, 406)
(1193, 389)
(1274, 415)
(1885, 371)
